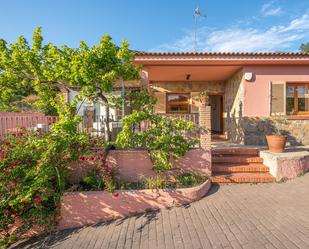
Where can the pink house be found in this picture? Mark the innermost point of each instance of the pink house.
(247, 90)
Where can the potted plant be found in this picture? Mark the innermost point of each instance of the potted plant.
(203, 97)
(277, 139)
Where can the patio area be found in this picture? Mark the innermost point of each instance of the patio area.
(231, 216)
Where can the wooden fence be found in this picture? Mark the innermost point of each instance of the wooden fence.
(12, 121)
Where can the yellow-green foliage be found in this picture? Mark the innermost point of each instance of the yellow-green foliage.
(163, 137)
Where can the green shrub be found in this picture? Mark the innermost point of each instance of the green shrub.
(156, 182)
(91, 181)
(185, 180)
(164, 138)
(189, 180)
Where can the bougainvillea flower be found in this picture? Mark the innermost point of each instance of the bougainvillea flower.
(37, 200)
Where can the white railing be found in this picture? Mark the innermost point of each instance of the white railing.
(96, 124)
(193, 117)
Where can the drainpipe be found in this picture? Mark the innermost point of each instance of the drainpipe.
(122, 94)
(123, 100)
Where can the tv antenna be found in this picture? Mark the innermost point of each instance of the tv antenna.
(197, 14)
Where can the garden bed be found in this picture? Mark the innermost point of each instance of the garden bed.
(139, 188)
(84, 208)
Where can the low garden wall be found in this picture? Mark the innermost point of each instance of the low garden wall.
(287, 165)
(84, 208)
(89, 207)
(135, 165)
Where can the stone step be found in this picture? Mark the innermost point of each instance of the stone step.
(221, 152)
(234, 168)
(242, 178)
(236, 159)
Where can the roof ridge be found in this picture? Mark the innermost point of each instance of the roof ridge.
(225, 53)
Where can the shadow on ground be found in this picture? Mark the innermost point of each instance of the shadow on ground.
(57, 238)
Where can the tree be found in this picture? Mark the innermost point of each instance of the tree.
(45, 69)
(304, 47)
(163, 137)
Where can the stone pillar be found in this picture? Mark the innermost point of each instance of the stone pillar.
(205, 126)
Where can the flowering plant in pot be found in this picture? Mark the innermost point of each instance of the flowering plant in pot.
(203, 97)
(277, 139)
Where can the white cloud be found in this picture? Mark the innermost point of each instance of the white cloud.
(238, 38)
(269, 9)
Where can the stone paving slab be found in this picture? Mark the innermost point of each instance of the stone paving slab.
(250, 216)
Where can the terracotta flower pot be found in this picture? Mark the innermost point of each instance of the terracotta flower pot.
(276, 143)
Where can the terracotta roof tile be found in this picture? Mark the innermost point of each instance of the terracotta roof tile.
(141, 53)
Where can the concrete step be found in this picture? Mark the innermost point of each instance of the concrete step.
(237, 159)
(234, 168)
(222, 152)
(242, 178)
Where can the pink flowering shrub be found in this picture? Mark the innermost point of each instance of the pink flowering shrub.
(32, 174)
(102, 178)
(18, 157)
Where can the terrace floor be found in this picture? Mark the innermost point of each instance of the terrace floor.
(274, 215)
(221, 142)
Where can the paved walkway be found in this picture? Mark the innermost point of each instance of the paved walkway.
(232, 216)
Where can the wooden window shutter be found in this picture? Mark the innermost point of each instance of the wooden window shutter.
(277, 103)
(194, 108)
(160, 106)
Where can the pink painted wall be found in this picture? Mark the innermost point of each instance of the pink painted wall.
(84, 208)
(135, 165)
(195, 160)
(256, 93)
(131, 165)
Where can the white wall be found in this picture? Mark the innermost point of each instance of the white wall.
(100, 108)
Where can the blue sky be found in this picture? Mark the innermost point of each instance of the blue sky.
(163, 25)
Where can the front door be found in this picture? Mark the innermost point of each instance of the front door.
(216, 103)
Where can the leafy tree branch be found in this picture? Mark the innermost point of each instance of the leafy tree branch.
(44, 70)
